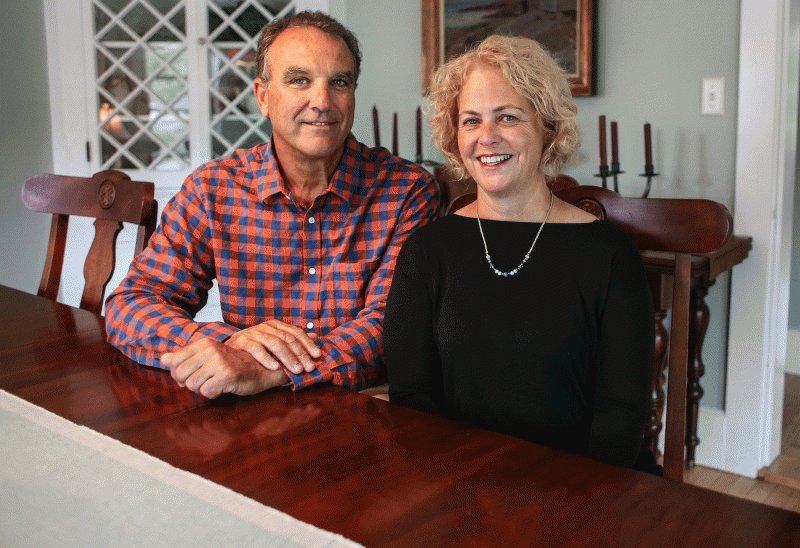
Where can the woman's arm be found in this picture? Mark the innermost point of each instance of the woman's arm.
(412, 360)
(627, 342)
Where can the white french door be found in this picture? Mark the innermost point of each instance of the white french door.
(153, 88)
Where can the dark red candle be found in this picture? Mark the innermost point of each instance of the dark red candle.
(614, 151)
(376, 130)
(603, 141)
(419, 134)
(648, 147)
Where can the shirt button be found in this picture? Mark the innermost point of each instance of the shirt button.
(312, 220)
(310, 325)
(312, 271)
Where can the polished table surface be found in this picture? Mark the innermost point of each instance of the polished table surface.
(369, 470)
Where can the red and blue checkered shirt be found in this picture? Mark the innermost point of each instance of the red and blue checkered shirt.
(326, 269)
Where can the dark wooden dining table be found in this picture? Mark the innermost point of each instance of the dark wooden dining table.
(367, 469)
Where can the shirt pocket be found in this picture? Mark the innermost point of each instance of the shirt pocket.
(348, 285)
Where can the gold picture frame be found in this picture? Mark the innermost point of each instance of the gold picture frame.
(565, 27)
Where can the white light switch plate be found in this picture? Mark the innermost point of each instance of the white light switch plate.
(712, 97)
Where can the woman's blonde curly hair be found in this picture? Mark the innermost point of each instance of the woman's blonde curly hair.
(534, 74)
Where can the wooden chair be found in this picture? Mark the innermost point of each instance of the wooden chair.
(683, 227)
(108, 196)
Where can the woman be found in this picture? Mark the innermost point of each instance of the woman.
(520, 313)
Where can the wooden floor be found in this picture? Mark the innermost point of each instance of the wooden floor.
(777, 485)
(757, 490)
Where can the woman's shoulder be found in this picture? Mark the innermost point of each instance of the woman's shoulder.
(443, 227)
(430, 244)
(434, 234)
(599, 238)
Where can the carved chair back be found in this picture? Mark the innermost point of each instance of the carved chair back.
(111, 198)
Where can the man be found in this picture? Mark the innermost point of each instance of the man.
(301, 233)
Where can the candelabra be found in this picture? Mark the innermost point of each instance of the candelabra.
(616, 170)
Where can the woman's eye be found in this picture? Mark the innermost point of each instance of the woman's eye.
(509, 118)
(469, 121)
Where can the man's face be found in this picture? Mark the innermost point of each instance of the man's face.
(310, 97)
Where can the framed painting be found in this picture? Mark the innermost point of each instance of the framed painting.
(566, 28)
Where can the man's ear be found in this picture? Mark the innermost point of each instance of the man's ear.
(260, 90)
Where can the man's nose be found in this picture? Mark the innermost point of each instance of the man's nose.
(320, 96)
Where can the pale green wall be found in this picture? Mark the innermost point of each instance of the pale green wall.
(651, 58)
(652, 55)
(25, 140)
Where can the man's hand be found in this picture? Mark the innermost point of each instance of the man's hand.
(211, 368)
(276, 344)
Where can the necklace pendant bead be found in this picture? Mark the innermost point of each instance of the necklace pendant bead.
(527, 255)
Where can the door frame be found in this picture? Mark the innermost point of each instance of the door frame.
(748, 435)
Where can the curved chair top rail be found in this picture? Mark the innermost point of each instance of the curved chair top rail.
(61, 194)
(658, 224)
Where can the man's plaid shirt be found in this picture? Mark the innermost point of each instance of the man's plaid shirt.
(326, 269)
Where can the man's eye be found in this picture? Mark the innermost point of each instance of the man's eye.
(300, 80)
(340, 82)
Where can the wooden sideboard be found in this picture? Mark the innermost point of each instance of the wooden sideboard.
(705, 269)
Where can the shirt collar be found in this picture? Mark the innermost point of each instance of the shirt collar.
(348, 181)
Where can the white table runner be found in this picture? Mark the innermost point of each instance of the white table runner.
(62, 484)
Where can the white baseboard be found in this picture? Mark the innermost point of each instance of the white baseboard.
(711, 431)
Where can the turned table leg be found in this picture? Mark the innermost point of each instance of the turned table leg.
(657, 380)
(698, 325)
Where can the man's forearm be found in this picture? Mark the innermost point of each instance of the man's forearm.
(144, 327)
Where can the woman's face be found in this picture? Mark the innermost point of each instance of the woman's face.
(498, 135)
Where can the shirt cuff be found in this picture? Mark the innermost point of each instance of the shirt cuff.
(321, 374)
(219, 331)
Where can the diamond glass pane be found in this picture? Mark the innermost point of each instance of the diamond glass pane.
(115, 33)
(101, 19)
(114, 157)
(169, 164)
(179, 20)
(218, 148)
(142, 71)
(145, 149)
(258, 136)
(169, 129)
(231, 128)
(251, 20)
(275, 6)
(139, 19)
(113, 84)
(164, 34)
(108, 56)
(180, 64)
